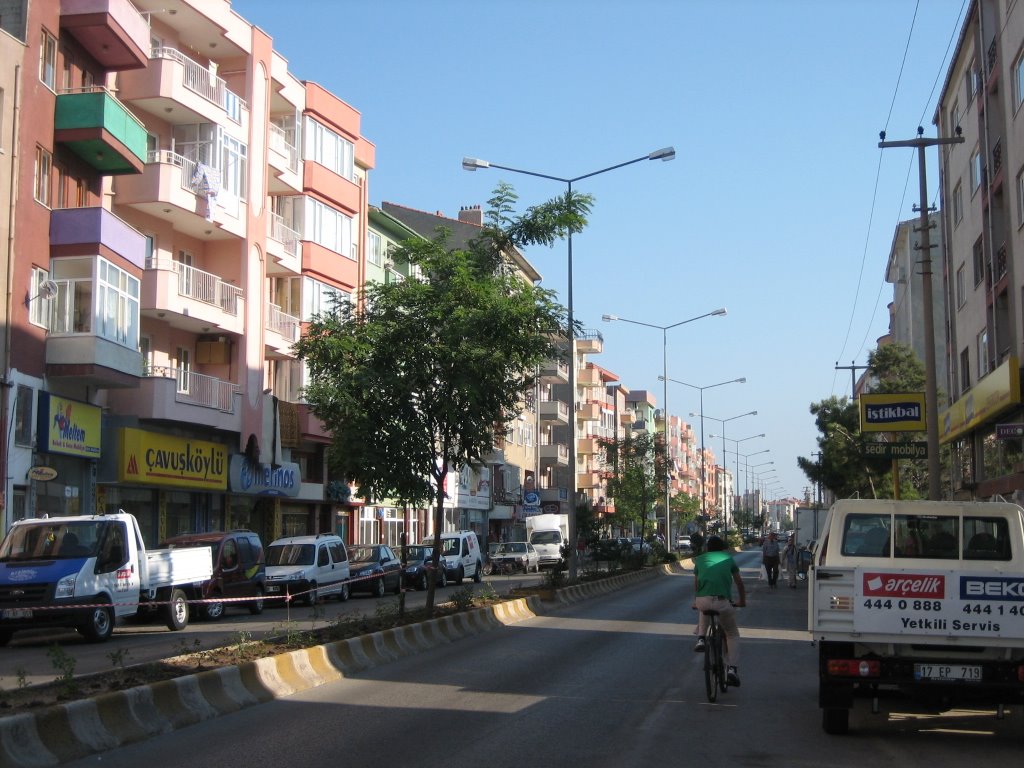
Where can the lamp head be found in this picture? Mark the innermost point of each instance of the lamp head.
(742, 380)
(720, 311)
(609, 318)
(472, 163)
(665, 154)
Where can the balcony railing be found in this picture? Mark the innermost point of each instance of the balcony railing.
(199, 389)
(281, 323)
(202, 286)
(203, 82)
(280, 231)
(282, 140)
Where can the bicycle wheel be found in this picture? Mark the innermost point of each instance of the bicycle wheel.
(712, 653)
(723, 677)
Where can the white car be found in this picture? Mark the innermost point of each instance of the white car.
(515, 556)
(309, 567)
(683, 543)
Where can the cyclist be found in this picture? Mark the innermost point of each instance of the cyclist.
(714, 573)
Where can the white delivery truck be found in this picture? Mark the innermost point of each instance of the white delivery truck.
(85, 572)
(809, 524)
(921, 600)
(548, 533)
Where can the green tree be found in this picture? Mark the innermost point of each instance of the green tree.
(415, 378)
(637, 477)
(686, 508)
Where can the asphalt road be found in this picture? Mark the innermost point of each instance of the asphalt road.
(611, 681)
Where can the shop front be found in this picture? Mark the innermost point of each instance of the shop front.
(68, 446)
(257, 492)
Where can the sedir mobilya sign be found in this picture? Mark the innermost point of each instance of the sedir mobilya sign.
(263, 479)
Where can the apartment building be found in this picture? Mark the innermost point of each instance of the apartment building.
(184, 205)
(981, 186)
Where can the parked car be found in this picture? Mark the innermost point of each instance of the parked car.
(610, 549)
(515, 556)
(639, 545)
(461, 551)
(418, 561)
(308, 566)
(238, 569)
(684, 544)
(374, 568)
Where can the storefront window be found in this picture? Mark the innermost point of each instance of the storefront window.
(141, 502)
(999, 457)
(179, 513)
(296, 520)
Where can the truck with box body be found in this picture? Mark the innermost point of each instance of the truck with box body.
(809, 524)
(548, 534)
(86, 572)
(921, 600)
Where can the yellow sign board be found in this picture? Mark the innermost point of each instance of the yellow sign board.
(995, 393)
(154, 459)
(892, 412)
(68, 426)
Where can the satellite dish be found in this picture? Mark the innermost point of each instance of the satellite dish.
(48, 289)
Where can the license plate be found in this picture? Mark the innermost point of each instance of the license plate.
(16, 613)
(273, 589)
(969, 672)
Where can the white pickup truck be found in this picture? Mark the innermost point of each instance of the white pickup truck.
(923, 600)
(85, 572)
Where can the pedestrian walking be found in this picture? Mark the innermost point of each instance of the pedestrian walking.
(770, 552)
(789, 561)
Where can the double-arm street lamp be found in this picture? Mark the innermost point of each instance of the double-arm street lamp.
(736, 479)
(472, 164)
(703, 472)
(723, 422)
(664, 405)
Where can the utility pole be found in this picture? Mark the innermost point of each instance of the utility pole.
(931, 398)
(852, 368)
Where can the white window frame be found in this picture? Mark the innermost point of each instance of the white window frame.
(328, 227)
(374, 248)
(183, 365)
(958, 204)
(48, 61)
(317, 297)
(96, 298)
(41, 181)
(1018, 82)
(39, 305)
(976, 170)
(329, 149)
(961, 286)
(982, 347)
(234, 166)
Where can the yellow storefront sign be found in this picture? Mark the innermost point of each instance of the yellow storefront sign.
(68, 426)
(154, 459)
(988, 398)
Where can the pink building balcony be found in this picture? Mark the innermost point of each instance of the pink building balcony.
(283, 247)
(281, 331)
(191, 299)
(171, 394)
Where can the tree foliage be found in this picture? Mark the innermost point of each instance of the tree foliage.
(636, 480)
(843, 467)
(416, 377)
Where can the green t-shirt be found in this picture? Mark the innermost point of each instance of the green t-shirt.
(714, 574)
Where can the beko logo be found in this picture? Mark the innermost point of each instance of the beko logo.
(991, 588)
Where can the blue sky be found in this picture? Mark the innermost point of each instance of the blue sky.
(779, 205)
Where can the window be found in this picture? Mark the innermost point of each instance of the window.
(183, 362)
(68, 69)
(972, 78)
(954, 115)
(23, 415)
(319, 298)
(977, 170)
(146, 350)
(1, 112)
(48, 61)
(958, 204)
(965, 371)
(118, 298)
(234, 167)
(1018, 81)
(41, 183)
(39, 304)
(94, 296)
(60, 194)
(982, 353)
(330, 150)
(375, 248)
(961, 289)
(978, 253)
(328, 227)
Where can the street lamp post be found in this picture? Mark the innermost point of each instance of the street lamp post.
(703, 471)
(746, 470)
(472, 164)
(723, 422)
(665, 380)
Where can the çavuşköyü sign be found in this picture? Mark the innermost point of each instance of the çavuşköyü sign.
(914, 450)
(149, 457)
(892, 412)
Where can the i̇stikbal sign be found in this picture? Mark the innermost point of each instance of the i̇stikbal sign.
(892, 412)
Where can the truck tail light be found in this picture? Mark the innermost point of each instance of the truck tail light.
(1020, 674)
(853, 668)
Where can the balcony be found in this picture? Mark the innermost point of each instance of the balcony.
(176, 395)
(283, 159)
(554, 372)
(553, 412)
(98, 128)
(191, 299)
(169, 188)
(588, 446)
(92, 361)
(112, 31)
(589, 342)
(179, 90)
(588, 411)
(589, 480)
(282, 331)
(589, 378)
(90, 231)
(283, 246)
(310, 427)
(555, 453)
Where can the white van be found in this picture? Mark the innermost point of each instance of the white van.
(309, 567)
(461, 553)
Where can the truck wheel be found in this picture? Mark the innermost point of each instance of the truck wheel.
(213, 611)
(100, 625)
(256, 606)
(478, 574)
(835, 722)
(5, 637)
(176, 616)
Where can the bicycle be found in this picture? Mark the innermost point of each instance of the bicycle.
(715, 677)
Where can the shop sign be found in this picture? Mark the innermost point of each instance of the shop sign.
(148, 457)
(472, 488)
(68, 426)
(42, 474)
(892, 412)
(991, 396)
(263, 479)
